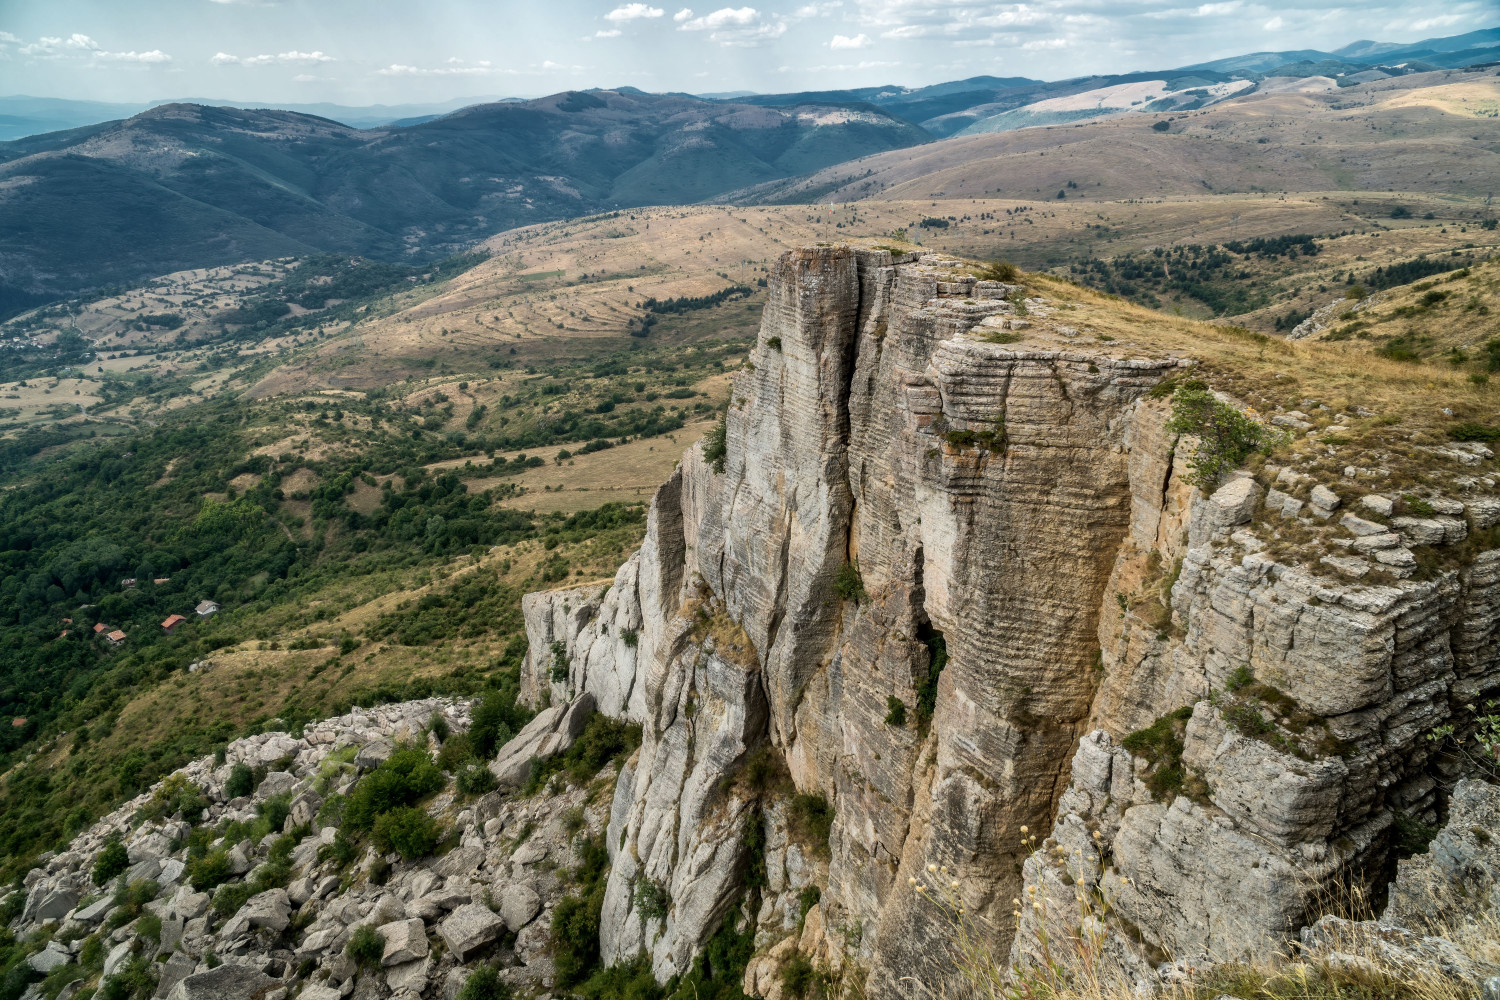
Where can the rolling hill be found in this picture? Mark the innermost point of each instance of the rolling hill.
(183, 186)
(1428, 132)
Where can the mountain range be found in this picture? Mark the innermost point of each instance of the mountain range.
(184, 185)
(188, 185)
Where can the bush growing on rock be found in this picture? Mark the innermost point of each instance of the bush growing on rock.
(209, 871)
(1226, 437)
(812, 819)
(475, 779)
(241, 781)
(401, 780)
(365, 946)
(112, 861)
(134, 982)
(484, 983)
(496, 719)
(230, 897)
(408, 831)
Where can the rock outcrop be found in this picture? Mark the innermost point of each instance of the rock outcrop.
(941, 614)
(931, 558)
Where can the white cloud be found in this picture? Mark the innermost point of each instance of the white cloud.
(1274, 24)
(722, 18)
(152, 57)
(1043, 44)
(50, 47)
(683, 15)
(845, 42)
(1441, 21)
(309, 78)
(1214, 9)
(633, 12)
(305, 58)
(401, 69)
(607, 33)
(6, 36)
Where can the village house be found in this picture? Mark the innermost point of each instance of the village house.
(116, 637)
(206, 608)
(172, 622)
(100, 628)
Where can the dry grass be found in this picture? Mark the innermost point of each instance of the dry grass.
(1411, 133)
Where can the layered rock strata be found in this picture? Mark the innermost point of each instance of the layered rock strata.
(933, 556)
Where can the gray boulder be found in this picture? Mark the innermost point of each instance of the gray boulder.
(519, 905)
(405, 941)
(469, 928)
(227, 982)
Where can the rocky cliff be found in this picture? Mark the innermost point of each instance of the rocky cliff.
(939, 637)
(946, 563)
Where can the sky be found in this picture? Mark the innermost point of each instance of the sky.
(362, 52)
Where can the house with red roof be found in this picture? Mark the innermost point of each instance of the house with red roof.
(172, 622)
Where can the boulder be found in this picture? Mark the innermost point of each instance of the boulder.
(117, 957)
(275, 783)
(176, 969)
(405, 941)
(372, 755)
(519, 905)
(227, 982)
(271, 909)
(410, 976)
(47, 959)
(52, 905)
(469, 928)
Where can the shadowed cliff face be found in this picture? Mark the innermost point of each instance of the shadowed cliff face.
(983, 491)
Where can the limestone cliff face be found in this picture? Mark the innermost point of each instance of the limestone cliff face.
(1018, 517)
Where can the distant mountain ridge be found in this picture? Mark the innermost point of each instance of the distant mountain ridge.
(183, 185)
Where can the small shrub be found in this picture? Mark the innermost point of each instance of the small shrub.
(229, 899)
(559, 661)
(209, 871)
(1000, 270)
(774, 343)
(812, 818)
(365, 946)
(438, 726)
(275, 810)
(797, 976)
(652, 900)
(716, 443)
(475, 779)
(1242, 677)
(1160, 745)
(408, 830)
(484, 983)
(1161, 126)
(1226, 437)
(895, 711)
(111, 862)
(401, 780)
(630, 636)
(1474, 432)
(807, 899)
(849, 584)
(241, 781)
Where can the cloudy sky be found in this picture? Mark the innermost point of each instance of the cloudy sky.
(403, 51)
